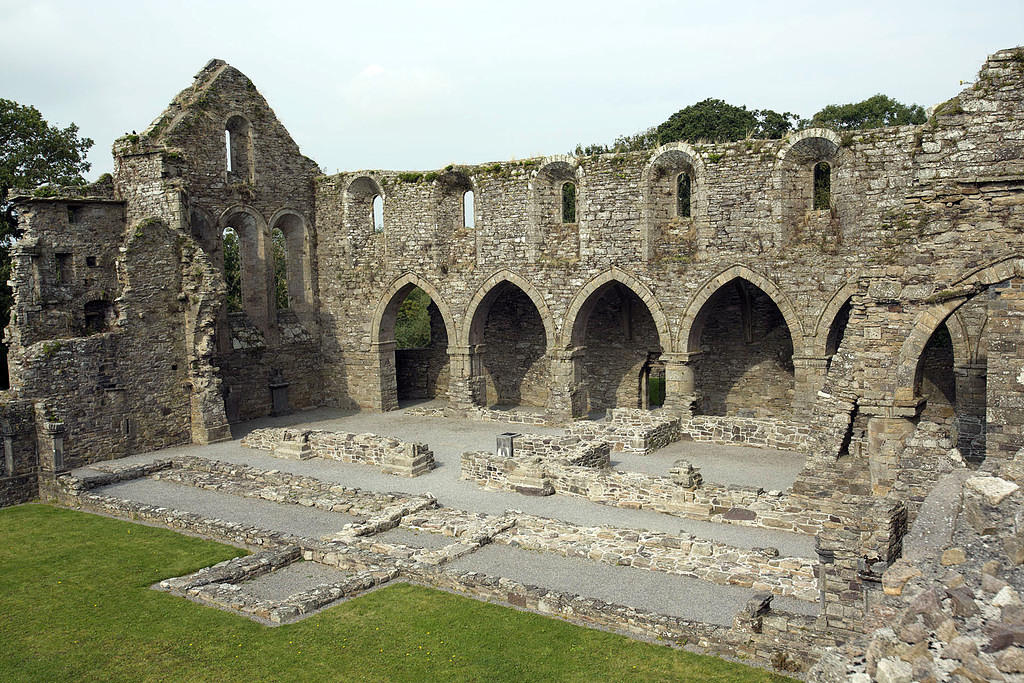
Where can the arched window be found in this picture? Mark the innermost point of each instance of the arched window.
(468, 209)
(280, 269)
(568, 202)
(378, 213)
(238, 144)
(683, 195)
(232, 270)
(822, 185)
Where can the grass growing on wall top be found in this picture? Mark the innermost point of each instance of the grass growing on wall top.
(76, 604)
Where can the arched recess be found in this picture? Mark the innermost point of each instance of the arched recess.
(456, 231)
(743, 346)
(298, 258)
(794, 185)
(364, 240)
(691, 325)
(953, 337)
(239, 157)
(255, 261)
(830, 326)
(929, 320)
(509, 322)
(411, 373)
(619, 330)
(472, 326)
(547, 232)
(574, 327)
(665, 227)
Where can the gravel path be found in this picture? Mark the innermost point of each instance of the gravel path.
(448, 438)
(291, 579)
(292, 519)
(765, 467)
(679, 596)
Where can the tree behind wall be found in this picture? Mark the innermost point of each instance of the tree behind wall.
(32, 153)
(412, 325)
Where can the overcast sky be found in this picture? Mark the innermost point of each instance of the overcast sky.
(406, 85)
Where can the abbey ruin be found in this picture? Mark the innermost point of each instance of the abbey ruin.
(855, 297)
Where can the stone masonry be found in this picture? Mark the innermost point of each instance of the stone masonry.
(881, 335)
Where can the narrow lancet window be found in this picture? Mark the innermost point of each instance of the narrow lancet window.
(468, 209)
(378, 213)
(569, 203)
(683, 195)
(822, 186)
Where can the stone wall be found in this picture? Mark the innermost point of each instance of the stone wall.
(19, 481)
(393, 456)
(769, 433)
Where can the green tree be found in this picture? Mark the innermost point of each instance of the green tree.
(32, 152)
(707, 121)
(232, 271)
(718, 121)
(280, 270)
(874, 112)
(412, 324)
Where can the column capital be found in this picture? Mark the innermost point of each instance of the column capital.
(681, 357)
(893, 409)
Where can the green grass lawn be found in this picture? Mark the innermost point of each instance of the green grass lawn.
(75, 605)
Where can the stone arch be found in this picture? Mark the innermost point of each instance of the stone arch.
(387, 307)
(930, 319)
(240, 162)
(255, 258)
(476, 311)
(793, 186)
(574, 326)
(298, 252)
(545, 198)
(658, 188)
(692, 323)
(817, 345)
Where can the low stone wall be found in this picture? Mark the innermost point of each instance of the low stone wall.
(787, 641)
(760, 569)
(569, 448)
(487, 415)
(393, 456)
(217, 586)
(749, 431)
(630, 430)
(742, 505)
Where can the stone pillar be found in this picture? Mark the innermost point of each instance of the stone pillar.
(970, 409)
(52, 455)
(888, 429)
(568, 398)
(808, 379)
(680, 382)
(1005, 380)
(467, 386)
(8, 434)
(385, 395)
(208, 416)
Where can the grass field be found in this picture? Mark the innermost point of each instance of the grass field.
(75, 605)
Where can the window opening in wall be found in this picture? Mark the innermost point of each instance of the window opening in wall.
(568, 202)
(238, 141)
(468, 209)
(280, 269)
(92, 261)
(683, 195)
(63, 270)
(822, 185)
(97, 316)
(74, 214)
(227, 150)
(378, 213)
(232, 270)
